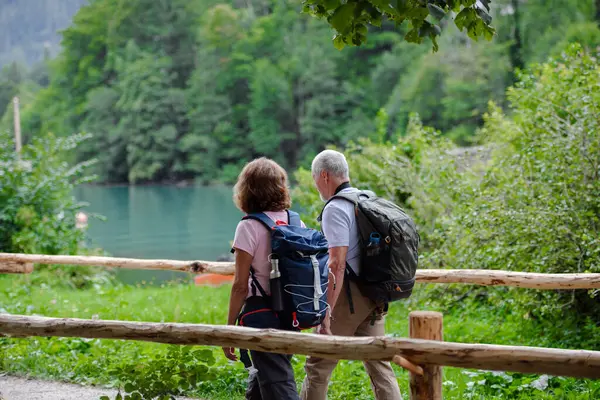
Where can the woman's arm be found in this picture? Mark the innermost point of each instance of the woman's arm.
(239, 291)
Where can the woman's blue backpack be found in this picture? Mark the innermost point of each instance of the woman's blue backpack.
(303, 256)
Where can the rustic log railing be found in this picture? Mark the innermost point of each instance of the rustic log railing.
(575, 363)
(15, 263)
(423, 354)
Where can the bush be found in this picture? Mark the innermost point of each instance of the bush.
(417, 171)
(37, 207)
(537, 207)
(533, 206)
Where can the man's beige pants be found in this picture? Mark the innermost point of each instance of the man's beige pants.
(318, 370)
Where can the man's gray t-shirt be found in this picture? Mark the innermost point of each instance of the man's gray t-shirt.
(340, 228)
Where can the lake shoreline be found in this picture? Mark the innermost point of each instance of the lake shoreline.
(175, 184)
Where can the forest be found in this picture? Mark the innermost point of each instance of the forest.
(190, 90)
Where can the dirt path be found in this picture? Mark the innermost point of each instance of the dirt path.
(12, 388)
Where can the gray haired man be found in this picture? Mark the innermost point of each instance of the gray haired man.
(331, 176)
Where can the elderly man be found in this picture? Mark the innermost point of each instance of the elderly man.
(351, 313)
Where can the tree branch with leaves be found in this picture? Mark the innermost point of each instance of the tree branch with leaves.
(351, 18)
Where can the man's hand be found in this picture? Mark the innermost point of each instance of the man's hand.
(230, 353)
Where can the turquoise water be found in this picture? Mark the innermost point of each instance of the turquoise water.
(181, 223)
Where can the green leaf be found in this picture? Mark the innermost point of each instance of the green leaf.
(331, 4)
(413, 36)
(436, 11)
(104, 398)
(401, 6)
(342, 17)
(338, 42)
(129, 387)
(119, 397)
(361, 29)
(433, 38)
(489, 32)
(417, 13)
(464, 18)
(453, 5)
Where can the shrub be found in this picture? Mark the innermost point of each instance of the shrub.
(533, 206)
(37, 206)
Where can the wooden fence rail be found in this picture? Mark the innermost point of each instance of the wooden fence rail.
(576, 363)
(15, 263)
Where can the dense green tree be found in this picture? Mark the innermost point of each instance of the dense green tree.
(193, 89)
(528, 200)
(152, 111)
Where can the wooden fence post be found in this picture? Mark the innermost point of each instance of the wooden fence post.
(17, 124)
(426, 325)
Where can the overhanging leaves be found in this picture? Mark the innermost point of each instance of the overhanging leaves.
(350, 18)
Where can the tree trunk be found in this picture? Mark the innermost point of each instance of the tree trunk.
(516, 48)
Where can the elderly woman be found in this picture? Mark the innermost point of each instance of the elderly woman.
(262, 186)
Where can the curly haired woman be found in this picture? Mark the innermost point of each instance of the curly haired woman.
(262, 186)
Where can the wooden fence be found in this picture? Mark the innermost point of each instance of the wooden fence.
(23, 263)
(423, 354)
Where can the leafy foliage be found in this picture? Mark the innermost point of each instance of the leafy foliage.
(351, 19)
(193, 89)
(533, 204)
(537, 207)
(165, 376)
(38, 209)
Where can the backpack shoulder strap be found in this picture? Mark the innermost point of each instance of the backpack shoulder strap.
(294, 218)
(262, 218)
(353, 198)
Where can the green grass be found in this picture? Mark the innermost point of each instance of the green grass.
(94, 361)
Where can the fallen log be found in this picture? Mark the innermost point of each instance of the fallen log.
(535, 360)
(480, 277)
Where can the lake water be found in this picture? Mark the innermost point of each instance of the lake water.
(180, 223)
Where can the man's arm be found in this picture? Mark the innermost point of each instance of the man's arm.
(336, 227)
(337, 265)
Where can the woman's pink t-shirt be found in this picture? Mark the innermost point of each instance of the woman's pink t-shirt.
(254, 238)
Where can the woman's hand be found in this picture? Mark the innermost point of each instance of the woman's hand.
(230, 353)
(239, 292)
(325, 327)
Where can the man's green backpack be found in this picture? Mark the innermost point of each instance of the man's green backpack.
(389, 244)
